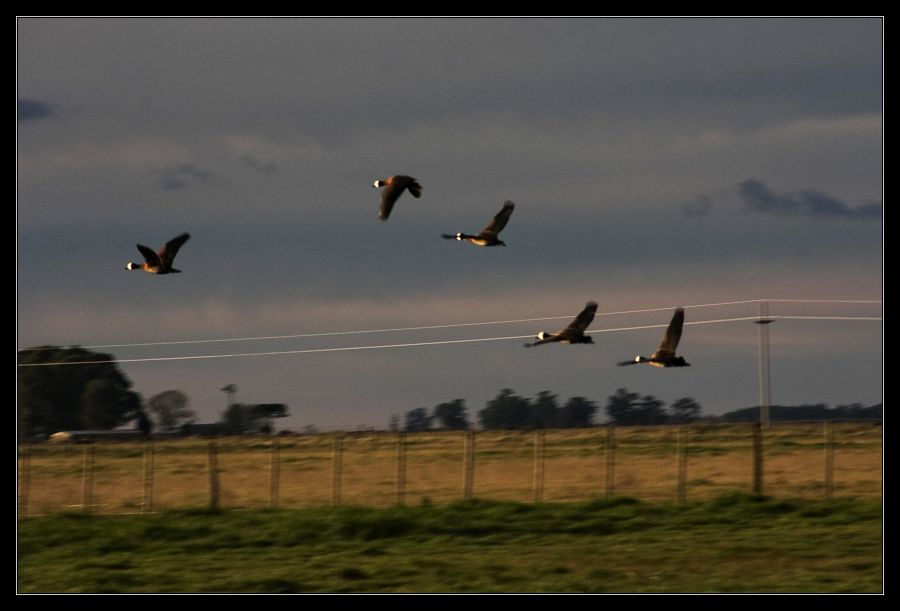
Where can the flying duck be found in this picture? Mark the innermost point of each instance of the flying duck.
(665, 355)
(488, 235)
(160, 263)
(574, 333)
(395, 186)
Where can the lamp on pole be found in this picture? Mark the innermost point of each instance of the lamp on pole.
(764, 391)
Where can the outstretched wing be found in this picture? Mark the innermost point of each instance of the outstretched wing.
(168, 252)
(581, 322)
(150, 256)
(499, 221)
(673, 335)
(389, 197)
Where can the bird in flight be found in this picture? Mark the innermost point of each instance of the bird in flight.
(394, 187)
(665, 354)
(160, 263)
(488, 235)
(574, 333)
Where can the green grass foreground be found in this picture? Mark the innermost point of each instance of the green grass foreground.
(735, 543)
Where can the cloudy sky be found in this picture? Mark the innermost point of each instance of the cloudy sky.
(653, 162)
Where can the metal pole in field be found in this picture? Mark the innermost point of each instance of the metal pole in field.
(24, 479)
(401, 468)
(681, 462)
(337, 459)
(214, 489)
(87, 478)
(765, 397)
(757, 458)
(538, 471)
(829, 459)
(147, 497)
(468, 464)
(274, 473)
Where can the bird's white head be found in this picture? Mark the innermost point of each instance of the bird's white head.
(129, 265)
(378, 183)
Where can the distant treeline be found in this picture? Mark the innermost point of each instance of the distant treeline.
(817, 411)
(545, 411)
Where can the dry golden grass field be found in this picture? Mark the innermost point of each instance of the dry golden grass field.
(370, 468)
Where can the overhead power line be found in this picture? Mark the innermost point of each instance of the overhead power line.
(453, 325)
(419, 344)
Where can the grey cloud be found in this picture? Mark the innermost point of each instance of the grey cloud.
(758, 197)
(701, 206)
(182, 176)
(263, 167)
(34, 110)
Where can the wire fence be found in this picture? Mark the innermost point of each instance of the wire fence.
(655, 463)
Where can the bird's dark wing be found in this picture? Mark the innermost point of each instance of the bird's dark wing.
(389, 197)
(673, 335)
(581, 322)
(150, 256)
(499, 221)
(168, 252)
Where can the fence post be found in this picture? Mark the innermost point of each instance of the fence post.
(757, 458)
(610, 475)
(829, 459)
(214, 489)
(24, 479)
(538, 471)
(468, 464)
(147, 496)
(401, 468)
(87, 478)
(337, 458)
(681, 462)
(274, 472)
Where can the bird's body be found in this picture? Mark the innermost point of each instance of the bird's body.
(488, 235)
(665, 354)
(160, 263)
(394, 187)
(574, 333)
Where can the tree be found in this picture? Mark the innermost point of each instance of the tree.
(505, 411)
(544, 412)
(650, 411)
(417, 420)
(578, 413)
(267, 411)
(170, 409)
(55, 398)
(106, 403)
(452, 415)
(622, 407)
(237, 418)
(684, 410)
